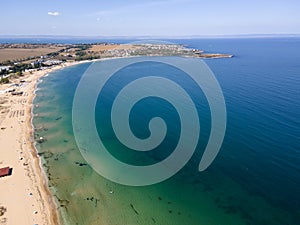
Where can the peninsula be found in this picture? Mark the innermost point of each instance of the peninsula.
(18, 58)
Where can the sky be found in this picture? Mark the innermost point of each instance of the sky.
(149, 17)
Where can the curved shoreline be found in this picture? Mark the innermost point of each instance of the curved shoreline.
(46, 195)
(53, 211)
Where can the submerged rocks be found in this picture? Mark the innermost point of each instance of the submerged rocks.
(132, 206)
(93, 199)
(81, 164)
(58, 118)
(46, 155)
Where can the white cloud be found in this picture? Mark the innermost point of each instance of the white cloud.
(53, 13)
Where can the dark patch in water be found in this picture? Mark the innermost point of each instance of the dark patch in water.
(41, 140)
(231, 206)
(81, 164)
(136, 212)
(92, 199)
(154, 221)
(46, 155)
(62, 202)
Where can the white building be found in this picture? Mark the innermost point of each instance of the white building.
(4, 68)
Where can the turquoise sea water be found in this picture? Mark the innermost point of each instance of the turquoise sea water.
(255, 178)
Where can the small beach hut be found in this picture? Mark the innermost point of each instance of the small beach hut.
(6, 171)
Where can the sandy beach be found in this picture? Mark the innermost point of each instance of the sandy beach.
(24, 195)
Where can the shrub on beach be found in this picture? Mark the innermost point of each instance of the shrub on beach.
(4, 80)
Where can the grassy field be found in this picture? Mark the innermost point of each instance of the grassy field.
(101, 48)
(23, 53)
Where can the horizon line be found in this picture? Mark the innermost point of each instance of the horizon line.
(148, 36)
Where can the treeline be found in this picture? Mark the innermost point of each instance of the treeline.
(17, 68)
(86, 57)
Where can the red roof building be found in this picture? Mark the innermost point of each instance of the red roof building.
(5, 171)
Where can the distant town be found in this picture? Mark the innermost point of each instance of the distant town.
(15, 59)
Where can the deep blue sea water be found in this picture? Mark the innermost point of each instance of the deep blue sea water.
(255, 179)
(262, 91)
